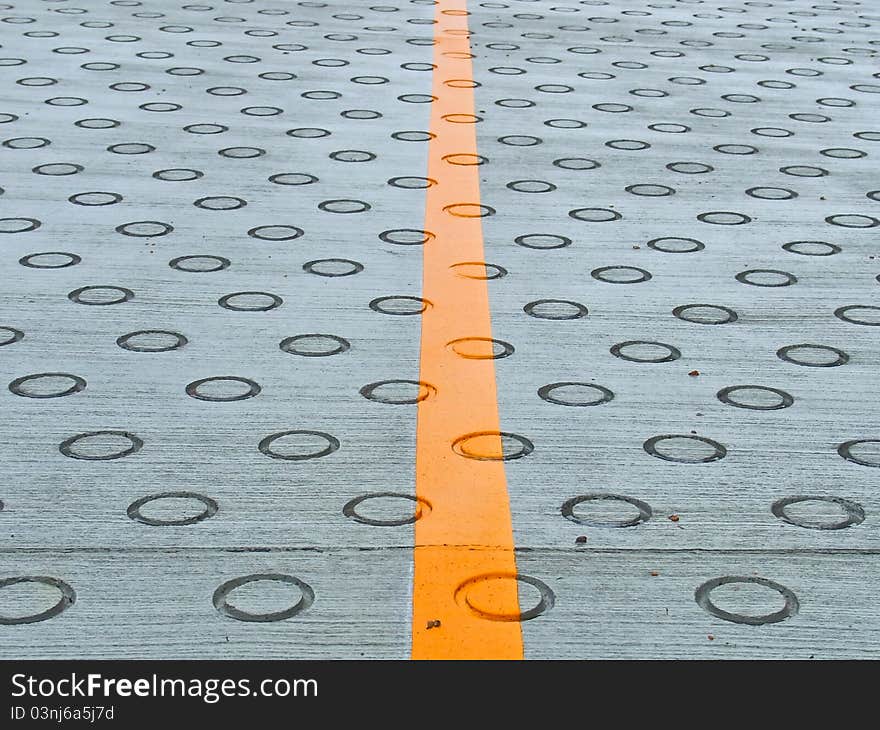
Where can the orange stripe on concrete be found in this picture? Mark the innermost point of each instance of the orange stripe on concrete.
(464, 558)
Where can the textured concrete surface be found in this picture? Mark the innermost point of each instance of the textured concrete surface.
(640, 159)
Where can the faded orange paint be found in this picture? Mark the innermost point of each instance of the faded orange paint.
(468, 532)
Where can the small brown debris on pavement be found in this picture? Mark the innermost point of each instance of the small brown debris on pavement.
(433, 624)
(674, 518)
(694, 373)
(580, 539)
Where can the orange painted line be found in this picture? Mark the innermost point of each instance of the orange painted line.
(464, 552)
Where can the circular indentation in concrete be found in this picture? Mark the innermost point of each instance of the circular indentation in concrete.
(620, 274)
(853, 220)
(595, 215)
(668, 129)
(200, 264)
(843, 153)
(469, 210)
(645, 351)
(50, 260)
(465, 158)
(629, 145)
(766, 277)
(602, 509)
(315, 345)
(8, 335)
(308, 132)
(813, 356)
(145, 229)
(736, 149)
(101, 445)
(803, 171)
(298, 445)
(250, 301)
(399, 305)
(151, 341)
(386, 509)
(172, 509)
(163, 107)
(685, 449)
(572, 393)
(462, 118)
(812, 248)
(542, 241)
(724, 218)
(489, 595)
(344, 206)
(223, 388)
(479, 270)
(333, 267)
(492, 446)
(360, 114)
(18, 225)
(241, 153)
(131, 148)
(413, 136)
(47, 385)
(57, 169)
(612, 108)
(220, 203)
(556, 309)
(398, 392)
(818, 513)
(178, 174)
(515, 103)
(676, 244)
(26, 143)
(293, 178)
(531, 186)
(861, 451)
(859, 314)
(705, 313)
(96, 198)
(206, 128)
(711, 113)
(689, 168)
(262, 591)
(100, 295)
(352, 156)
(411, 182)
(481, 348)
(276, 233)
(650, 190)
(576, 163)
(776, 132)
(28, 592)
(771, 193)
(755, 397)
(704, 600)
(406, 236)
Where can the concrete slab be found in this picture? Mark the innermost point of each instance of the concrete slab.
(212, 240)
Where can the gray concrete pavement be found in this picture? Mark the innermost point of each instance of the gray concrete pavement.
(656, 170)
